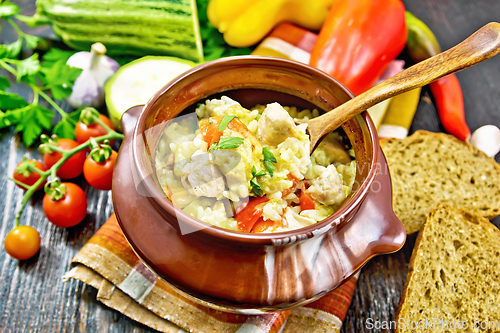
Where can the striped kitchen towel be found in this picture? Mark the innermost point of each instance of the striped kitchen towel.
(124, 283)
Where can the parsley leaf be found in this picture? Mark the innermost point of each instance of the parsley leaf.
(9, 101)
(56, 55)
(230, 143)
(11, 50)
(269, 159)
(65, 129)
(226, 143)
(34, 119)
(28, 66)
(225, 121)
(8, 9)
(256, 187)
(58, 77)
(33, 41)
(4, 83)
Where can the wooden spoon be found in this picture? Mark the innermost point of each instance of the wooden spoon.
(482, 45)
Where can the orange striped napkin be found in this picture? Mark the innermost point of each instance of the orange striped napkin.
(124, 283)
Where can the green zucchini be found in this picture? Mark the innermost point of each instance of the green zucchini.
(137, 27)
(136, 82)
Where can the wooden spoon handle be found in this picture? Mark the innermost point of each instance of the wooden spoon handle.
(482, 45)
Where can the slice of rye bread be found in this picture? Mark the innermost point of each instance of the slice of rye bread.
(453, 274)
(428, 169)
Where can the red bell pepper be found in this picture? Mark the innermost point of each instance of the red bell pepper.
(358, 41)
(306, 202)
(248, 216)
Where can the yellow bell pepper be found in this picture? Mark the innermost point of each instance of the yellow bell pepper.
(245, 22)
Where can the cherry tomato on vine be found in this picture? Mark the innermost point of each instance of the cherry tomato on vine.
(99, 175)
(68, 211)
(23, 175)
(84, 132)
(73, 167)
(22, 242)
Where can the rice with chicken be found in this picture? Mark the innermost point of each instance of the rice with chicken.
(250, 170)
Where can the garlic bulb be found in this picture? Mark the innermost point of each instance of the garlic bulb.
(97, 68)
(487, 139)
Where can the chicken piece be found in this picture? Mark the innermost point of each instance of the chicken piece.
(328, 188)
(275, 125)
(202, 178)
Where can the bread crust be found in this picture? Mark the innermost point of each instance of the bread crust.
(392, 147)
(420, 241)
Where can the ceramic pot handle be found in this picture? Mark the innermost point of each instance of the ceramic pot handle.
(129, 119)
(375, 229)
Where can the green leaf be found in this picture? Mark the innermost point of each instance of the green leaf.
(34, 119)
(269, 159)
(226, 143)
(65, 129)
(213, 146)
(256, 188)
(225, 121)
(8, 9)
(11, 50)
(269, 167)
(230, 143)
(56, 55)
(9, 101)
(4, 83)
(12, 117)
(33, 41)
(28, 66)
(57, 76)
(268, 155)
(260, 173)
(44, 117)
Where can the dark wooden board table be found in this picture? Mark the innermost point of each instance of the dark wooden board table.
(33, 298)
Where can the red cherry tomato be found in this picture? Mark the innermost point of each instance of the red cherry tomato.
(248, 216)
(84, 132)
(22, 242)
(32, 177)
(73, 167)
(99, 175)
(68, 211)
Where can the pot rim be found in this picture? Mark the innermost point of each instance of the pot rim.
(275, 238)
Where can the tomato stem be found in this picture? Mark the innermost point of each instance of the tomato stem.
(19, 183)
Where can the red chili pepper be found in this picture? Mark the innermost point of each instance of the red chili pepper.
(450, 105)
(447, 92)
(358, 41)
(248, 216)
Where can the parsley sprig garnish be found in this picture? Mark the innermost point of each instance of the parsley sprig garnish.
(51, 75)
(256, 187)
(225, 121)
(226, 143)
(269, 159)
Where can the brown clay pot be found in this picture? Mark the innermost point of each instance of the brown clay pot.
(252, 273)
